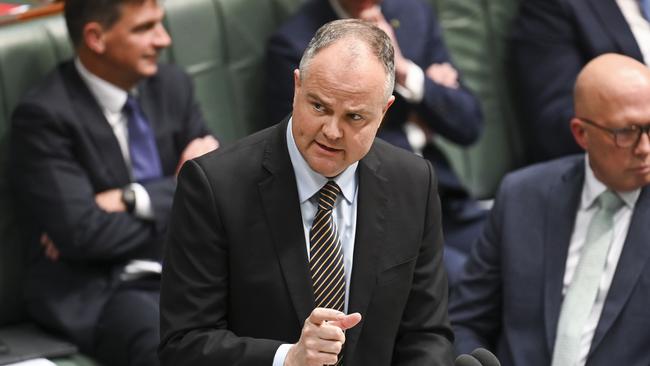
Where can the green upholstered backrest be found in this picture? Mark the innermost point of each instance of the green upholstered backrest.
(198, 46)
(27, 52)
(222, 43)
(476, 33)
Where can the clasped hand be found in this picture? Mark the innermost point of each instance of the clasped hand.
(322, 338)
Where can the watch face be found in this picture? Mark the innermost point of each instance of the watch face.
(128, 197)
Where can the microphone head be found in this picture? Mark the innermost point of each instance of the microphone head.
(466, 360)
(486, 357)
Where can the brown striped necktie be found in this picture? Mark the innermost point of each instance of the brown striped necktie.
(326, 254)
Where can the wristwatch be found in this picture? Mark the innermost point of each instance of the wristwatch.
(128, 197)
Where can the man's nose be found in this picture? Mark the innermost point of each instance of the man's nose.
(332, 129)
(162, 38)
(643, 146)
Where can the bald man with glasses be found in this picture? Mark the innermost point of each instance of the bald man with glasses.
(561, 274)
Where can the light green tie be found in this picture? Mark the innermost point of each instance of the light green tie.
(581, 294)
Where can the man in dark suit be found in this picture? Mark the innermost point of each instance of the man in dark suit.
(551, 41)
(245, 273)
(548, 282)
(95, 148)
(430, 98)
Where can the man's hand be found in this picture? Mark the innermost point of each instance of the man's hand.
(374, 16)
(51, 251)
(443, 74)
(196, 148)
(322, 338)
(110, 200)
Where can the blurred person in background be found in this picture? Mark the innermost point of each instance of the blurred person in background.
(95, 148)
(560, 274)
(552, 40)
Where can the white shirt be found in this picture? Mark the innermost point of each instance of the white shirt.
(344, 213)
(591, 189)
(639, 25)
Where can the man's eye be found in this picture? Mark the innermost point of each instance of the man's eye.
(355, 117)
(318, 106)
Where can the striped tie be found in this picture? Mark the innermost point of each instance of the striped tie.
(326, 255)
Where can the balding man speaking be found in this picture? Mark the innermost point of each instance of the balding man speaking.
(561, 275)
(279, 236)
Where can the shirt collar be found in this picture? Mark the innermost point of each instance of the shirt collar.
(593, 188)
(109, 96)
(310, 182)
(339, 11)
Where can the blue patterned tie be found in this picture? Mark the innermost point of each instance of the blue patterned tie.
(645, 8)
(145, 161)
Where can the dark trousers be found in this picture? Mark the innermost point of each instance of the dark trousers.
(128, 331)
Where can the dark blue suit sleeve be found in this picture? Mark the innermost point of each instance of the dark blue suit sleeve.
(546, 58)
(452, 113)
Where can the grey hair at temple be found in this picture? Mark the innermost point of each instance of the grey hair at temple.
(377, 41)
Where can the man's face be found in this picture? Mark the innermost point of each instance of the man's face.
(132, 44)
(355, 7)
(338, 107)
(622, 169)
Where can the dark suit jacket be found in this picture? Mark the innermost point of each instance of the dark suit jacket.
(510, 294)
(452, 113)
(63, 152)
(552, 41)
(236, 282)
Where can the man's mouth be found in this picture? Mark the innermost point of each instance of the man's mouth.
(327, 148)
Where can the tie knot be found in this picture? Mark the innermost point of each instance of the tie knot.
(327, 195)
(609, 201)
(131, 104)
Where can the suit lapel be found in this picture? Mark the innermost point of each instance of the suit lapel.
(563, 200)
(371, 209)
(633, 260)
(614, 23)
(94, 122)
(281, 206)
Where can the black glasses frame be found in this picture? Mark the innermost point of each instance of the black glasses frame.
(616, 132)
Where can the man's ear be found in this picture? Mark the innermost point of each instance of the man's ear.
(93, 37)
(296, 85)
(579, 132)
(389, 103)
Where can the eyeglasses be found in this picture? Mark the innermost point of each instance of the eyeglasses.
(623, 137)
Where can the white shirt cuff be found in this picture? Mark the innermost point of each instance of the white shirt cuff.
(413, 88)
(281, 354)
(142, 208)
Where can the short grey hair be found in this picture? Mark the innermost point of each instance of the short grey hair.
(376, 39)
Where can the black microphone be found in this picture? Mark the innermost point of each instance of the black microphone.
(485, 357)
(466, 360)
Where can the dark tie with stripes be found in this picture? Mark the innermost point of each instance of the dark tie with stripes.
(326, 254)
